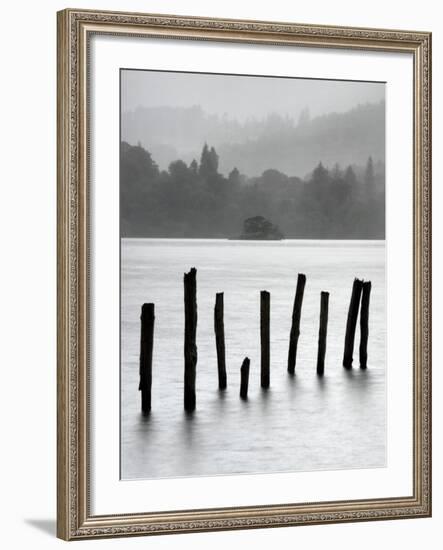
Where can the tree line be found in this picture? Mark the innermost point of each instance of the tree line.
(196, 201)
(292, 145)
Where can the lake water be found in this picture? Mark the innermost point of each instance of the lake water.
(301, 423)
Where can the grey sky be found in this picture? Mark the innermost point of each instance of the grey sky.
(244, 96)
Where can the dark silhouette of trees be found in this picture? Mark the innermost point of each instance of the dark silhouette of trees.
(369, 179)
(292, 144)
(138, 172)
(194, 167)
(208, 164)
(259, 227)
(196, 201)
(350, 177)
(235, 178)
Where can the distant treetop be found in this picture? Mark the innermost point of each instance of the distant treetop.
(259, 228)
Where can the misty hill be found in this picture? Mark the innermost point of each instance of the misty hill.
(291, 146)
(196, 201)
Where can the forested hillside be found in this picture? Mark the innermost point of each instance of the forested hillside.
(292, 145)
(195, 200)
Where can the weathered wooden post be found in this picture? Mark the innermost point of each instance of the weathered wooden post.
(190, 348)
(322, 332)
(295, 327)
(244, 378)
(146, 347)
(364, 324)
(265, 307)
(219, 329)
(351, 323)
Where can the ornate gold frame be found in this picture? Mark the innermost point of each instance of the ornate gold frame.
(74, 519)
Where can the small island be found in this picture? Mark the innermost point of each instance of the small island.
(260, 229)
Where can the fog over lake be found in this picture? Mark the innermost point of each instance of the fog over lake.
(251, 180)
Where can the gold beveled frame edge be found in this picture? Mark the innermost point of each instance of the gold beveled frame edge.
(74, 521)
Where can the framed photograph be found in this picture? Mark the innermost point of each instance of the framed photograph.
(244, 249)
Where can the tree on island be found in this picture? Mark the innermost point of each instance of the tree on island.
(259, 228)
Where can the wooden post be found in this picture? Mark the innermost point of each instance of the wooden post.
(364, 324)
(219, 329)
(146, 347)
(265, 307)
(322, 332)
(244, 378)
(190, 287)
(295, 327)
(351, 323)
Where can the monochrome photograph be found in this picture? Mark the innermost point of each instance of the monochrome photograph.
(252, 282)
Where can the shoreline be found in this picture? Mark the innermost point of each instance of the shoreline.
(234, 239)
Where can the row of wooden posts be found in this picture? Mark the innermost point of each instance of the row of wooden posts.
(361, 291)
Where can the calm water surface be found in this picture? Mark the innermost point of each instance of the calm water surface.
(301, 422)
